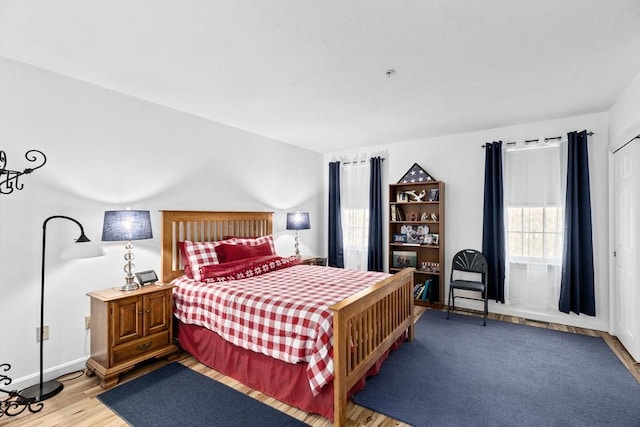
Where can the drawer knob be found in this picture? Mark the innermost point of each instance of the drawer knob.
(143, 347)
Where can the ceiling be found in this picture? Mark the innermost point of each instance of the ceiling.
(314, 73)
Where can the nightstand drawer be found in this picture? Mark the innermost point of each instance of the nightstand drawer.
(139, 347)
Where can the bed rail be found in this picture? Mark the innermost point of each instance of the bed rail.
(365, 325)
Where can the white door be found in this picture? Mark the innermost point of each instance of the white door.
(626, 164)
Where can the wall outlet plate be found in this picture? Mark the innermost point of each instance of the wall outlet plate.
(45, 333)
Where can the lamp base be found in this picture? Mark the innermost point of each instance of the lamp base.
(129, 287)
(49, 389)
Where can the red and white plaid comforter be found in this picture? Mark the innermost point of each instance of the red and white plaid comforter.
(283, 314)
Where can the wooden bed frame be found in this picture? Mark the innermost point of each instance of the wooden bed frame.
(365, 325)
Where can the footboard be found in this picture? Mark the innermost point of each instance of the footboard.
(365, 325)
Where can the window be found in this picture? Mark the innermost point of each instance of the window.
(534, 200)
(535, 233)
(354, 193)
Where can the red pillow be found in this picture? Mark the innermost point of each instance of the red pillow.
(184, 259)
(228, 253)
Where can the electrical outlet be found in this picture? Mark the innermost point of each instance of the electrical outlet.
(87, 322)
(45, 333)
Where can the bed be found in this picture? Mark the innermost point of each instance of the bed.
(364, 325)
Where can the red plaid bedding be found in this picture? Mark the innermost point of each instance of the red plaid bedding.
(283, 313)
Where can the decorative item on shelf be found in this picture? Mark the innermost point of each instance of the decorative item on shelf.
(436, 238)
(424, 217)
(298, 221)
(431, 267)
(401, 196)
(44, 390)
(126, 226)
(399, 238)
(433, 195)
(413, 216)
(10, 179)
(434, 216)
(416, 233)
(415, 174)
(404, 259)
(416, 197)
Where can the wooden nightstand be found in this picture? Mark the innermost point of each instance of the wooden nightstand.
(314, 260)
(128, 328)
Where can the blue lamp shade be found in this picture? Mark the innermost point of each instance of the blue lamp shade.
(126, 225)
(298, 221)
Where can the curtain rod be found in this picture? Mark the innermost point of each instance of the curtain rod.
(360, 161)
(527, 141)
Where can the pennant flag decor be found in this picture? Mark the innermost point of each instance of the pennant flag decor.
(415, 174)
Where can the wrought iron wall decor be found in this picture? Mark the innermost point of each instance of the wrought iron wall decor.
(10, 179)
(15, 404)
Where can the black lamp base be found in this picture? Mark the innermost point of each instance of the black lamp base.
(49, 389)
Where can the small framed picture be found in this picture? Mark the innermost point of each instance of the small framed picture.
(428, 239)
(436, 238)
(401, 196)
(399, 238)
(433, 195)
(404, 259)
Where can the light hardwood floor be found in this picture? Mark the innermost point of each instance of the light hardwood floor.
(77, 404)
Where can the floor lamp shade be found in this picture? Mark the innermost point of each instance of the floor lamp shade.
(298, 221)
(45, 390)
(126, 226)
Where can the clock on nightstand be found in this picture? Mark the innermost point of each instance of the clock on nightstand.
(314, 260)
(128, 328)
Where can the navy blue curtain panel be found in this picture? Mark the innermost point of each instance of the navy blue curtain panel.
(336, 252)
(374, 262)
(577, 292)
(493, 240)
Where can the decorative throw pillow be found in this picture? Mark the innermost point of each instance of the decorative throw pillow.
(244, 268)
(202, 253)
(257, 241)
(227, 253)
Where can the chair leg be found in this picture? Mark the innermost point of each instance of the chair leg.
(449, 302)
(486, 308)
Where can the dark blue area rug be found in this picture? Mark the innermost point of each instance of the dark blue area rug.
(177, 396)
(458, 373)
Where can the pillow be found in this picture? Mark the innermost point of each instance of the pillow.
(244, 268)
(227, 252)
(251, 241)
(184, 259)
(202, 253)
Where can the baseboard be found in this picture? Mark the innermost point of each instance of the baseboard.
(49, 374)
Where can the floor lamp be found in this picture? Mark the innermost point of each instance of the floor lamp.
(45, 390)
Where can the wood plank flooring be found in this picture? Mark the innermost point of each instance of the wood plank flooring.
(77, 405)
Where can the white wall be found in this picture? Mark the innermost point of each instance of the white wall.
(624, 116)
(458, 160)
(109, 151)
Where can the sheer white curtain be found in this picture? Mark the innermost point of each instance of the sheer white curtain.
(354, 195)
(534, 199)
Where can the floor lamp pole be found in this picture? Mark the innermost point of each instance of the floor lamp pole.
(45, 390)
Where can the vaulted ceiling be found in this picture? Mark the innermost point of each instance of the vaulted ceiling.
(333, 75)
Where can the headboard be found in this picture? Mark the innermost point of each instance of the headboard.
(203, 226)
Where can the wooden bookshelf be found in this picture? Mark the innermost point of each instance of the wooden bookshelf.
(412, 210)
